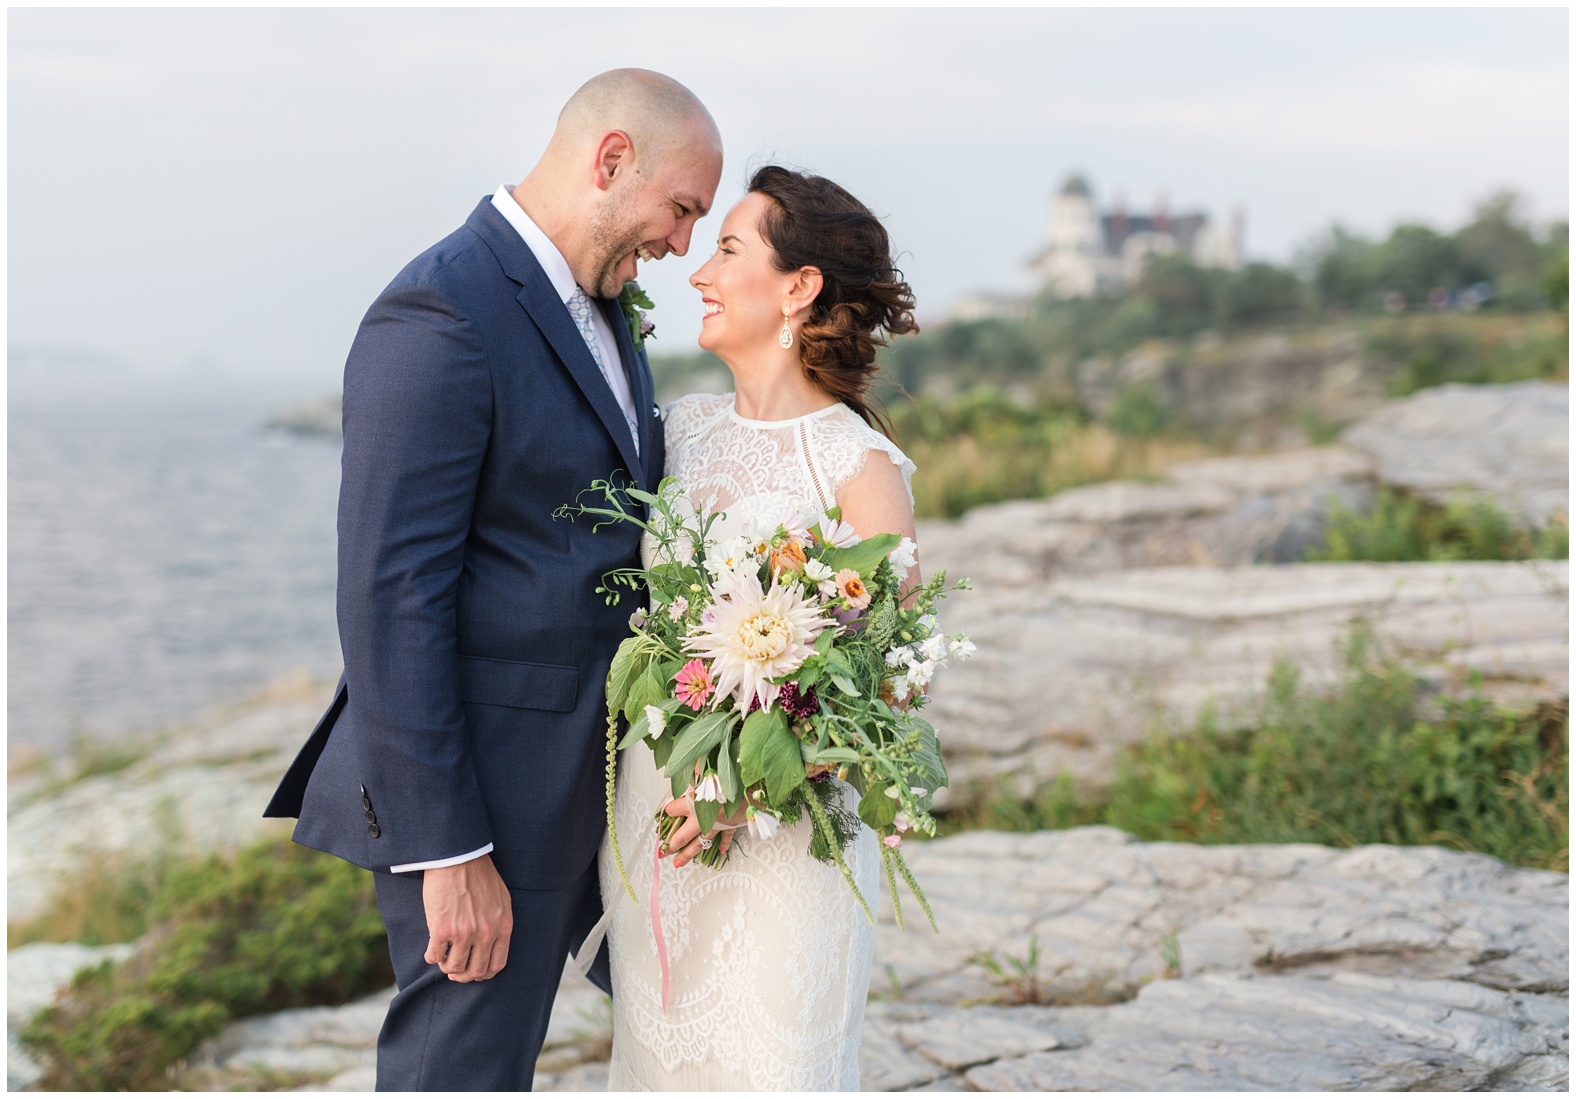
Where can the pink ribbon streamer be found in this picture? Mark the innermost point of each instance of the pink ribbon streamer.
(656, 919)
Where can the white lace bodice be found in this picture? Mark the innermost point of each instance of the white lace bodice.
(771, 954)
(755, 468)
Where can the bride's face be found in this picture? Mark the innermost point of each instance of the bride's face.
(740, 287)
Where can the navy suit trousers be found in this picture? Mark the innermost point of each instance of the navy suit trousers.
(441, 1035)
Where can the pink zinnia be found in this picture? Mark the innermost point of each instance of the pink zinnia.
(694, 684)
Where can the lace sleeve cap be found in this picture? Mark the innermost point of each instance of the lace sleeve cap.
(846, 443)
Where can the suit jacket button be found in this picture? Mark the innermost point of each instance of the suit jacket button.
(374, 831)
(372, 818)
(366, 803)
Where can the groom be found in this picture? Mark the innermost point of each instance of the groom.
(461, 758)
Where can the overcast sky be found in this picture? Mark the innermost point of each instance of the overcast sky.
(228, 189)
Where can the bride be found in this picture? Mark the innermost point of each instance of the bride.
(769, 955)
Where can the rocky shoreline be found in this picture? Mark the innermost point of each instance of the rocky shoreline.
(1160, 966)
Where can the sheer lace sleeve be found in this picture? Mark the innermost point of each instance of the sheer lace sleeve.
(842, 443)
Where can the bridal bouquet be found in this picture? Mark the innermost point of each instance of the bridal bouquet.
(768, 664)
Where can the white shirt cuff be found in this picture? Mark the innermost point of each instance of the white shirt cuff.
(406, 867)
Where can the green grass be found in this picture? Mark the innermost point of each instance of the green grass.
(1359, 764)
(1401, 527)
(275, 926)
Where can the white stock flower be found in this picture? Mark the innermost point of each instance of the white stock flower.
(709, 788)
(906, 555)
(817, 570)
(962, 647)
(899, 655)
(934, 647)
(726, 556)
(656, 721)
(754, 637)
(763, 825)
(838, 533)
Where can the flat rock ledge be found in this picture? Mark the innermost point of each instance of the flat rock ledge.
(1300, 968)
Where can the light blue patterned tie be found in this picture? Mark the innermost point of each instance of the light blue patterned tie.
(580, 309)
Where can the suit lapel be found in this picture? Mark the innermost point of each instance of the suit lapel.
(547, 310)
(640, 387)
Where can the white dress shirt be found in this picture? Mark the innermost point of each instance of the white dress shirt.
(558, 273)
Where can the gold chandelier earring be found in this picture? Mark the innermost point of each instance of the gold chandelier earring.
(785, 337)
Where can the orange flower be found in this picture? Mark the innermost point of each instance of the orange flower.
(852, 589)
(788, 558)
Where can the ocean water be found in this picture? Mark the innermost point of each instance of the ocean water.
(166, 554)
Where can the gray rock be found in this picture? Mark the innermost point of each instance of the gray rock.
(1350, 1032)
(1505, 443)
(886, 1063)
(355, 1079)
(201, 788)
(1070, 671)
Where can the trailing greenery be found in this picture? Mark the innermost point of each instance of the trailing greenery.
(1358, 764)
(273, 927)
(1402, 527)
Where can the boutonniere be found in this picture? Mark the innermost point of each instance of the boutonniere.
(633, 301)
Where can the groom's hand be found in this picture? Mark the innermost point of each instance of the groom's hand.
(469, 919)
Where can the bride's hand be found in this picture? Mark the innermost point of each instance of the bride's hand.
(684, 846)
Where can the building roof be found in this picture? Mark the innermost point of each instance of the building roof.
(1076, 185)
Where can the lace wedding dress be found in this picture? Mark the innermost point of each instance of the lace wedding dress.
(769, 956)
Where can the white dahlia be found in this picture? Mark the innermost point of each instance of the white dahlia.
(751, 638)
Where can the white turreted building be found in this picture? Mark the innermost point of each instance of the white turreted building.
(1094, 253)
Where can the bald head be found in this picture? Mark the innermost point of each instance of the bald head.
(660, 115)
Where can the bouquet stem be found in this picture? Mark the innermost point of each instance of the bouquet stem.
(712, 856)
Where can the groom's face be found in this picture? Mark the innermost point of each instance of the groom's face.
(651, 215)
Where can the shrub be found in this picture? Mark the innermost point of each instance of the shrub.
(984, 447)
(273, 927)
(1359, 764)
(1405, 528)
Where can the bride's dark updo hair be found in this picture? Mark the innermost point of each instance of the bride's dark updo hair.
(812, 222)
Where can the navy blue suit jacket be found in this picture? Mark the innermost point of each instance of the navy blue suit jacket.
(476, 649)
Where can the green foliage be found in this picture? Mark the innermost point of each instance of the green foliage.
(1402, 527)
(108, 901)
(1138, 412)
(1358, 764)
(984, 446)
(1434, 350)
(1498, 246)
(1018, 976)
(275, 926)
